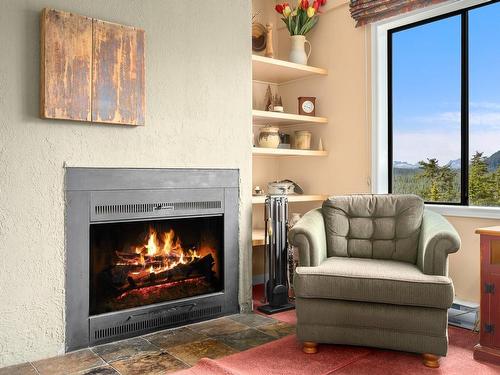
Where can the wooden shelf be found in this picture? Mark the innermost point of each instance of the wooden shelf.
(260, 151)
(260, 199)
(279, 71)
(258, 237)
(283, 119)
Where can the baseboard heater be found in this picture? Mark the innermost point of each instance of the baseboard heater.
(464, 314)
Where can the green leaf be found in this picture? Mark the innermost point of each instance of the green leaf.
(309, 25)
(292, 25)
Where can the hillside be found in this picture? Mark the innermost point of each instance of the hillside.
(493, 161)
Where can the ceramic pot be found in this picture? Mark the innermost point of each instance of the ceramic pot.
(269, 137)
(298, 53)
(303, 140)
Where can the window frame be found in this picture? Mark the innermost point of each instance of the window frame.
(381, 73)
(464, 99)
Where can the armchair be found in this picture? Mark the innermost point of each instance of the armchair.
(373, 272)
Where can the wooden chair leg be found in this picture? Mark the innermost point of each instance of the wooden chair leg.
(430, 360)
(310, 347)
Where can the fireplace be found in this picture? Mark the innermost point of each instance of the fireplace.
(148, 249)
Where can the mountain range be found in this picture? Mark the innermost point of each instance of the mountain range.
(493, 163)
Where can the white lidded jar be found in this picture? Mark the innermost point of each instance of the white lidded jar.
(269, 137)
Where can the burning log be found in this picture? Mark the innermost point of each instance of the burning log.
(129, 258)
(127, 277)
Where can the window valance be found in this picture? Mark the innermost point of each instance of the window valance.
(367, 11)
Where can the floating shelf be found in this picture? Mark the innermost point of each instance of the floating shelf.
(286, 152)
(260, 199)
(279, 71)
(283, 119)
(258, 237)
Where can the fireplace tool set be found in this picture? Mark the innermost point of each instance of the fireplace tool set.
(276, 259)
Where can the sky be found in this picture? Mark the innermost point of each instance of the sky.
(426, 87)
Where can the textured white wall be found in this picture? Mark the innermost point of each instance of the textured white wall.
(198, 115)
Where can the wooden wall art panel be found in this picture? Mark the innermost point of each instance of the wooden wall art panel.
(118, 74)
(66, 63)
(91, 70)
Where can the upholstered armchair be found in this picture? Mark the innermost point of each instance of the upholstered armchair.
(373, 271)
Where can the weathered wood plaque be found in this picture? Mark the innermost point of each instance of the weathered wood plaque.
(91, 70)
(66, 63)
(118, 74)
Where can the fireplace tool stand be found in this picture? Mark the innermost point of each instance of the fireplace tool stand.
(276, 245)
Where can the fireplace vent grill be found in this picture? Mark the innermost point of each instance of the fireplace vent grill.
(132, 208)
(143, 326)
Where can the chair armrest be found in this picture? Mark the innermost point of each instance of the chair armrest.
(310, 237)
(437, 239)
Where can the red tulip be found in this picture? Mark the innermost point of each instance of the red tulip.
(279, 8)
(304, 4)
(316, 5)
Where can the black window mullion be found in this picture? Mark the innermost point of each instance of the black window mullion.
(464, 190)
(465, 110)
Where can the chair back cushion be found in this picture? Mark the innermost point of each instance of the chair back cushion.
(373, 226)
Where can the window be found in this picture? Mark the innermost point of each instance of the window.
(444, 108)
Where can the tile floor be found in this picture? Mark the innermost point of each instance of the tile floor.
(165, 351)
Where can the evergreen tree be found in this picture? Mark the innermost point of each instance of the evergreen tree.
(448, 192)
(495, 201)
(481, 183)
(439, 182)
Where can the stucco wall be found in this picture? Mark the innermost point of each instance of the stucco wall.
(198, 115)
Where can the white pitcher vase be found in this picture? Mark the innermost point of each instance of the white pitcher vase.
(298, 53)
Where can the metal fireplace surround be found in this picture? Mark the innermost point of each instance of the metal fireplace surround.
(104, 195)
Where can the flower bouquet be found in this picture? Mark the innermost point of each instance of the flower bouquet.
(299, 20)
(302, 18)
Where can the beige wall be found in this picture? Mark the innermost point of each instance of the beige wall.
(198, 115)
(464, 265)
(344, 97)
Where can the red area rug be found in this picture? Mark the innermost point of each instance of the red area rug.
(285, 356)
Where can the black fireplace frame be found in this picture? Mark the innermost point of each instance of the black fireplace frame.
(103, 195)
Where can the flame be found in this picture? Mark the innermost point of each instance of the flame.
(159, 253)
(152, 242)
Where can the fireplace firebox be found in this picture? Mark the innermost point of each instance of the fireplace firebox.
(148, 249)
(141, 263)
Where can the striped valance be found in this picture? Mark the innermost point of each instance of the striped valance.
(367, 11)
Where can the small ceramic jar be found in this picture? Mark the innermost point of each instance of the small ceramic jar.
(269, 137)
(303, 140)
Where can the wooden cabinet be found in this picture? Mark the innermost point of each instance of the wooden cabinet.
(488, 348)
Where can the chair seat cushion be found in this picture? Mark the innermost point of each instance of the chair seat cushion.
(373, 280)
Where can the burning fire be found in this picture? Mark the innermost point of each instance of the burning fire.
(158, 254)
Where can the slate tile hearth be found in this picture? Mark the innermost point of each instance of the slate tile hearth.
(245, 339)
(23, 369)
(124, 349)
(277, 330)
(192, 352)
(173, 337)
(165, 351)
(155, 363)
(69, 364)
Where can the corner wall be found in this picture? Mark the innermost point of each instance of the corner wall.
(198, 71)
(345, 98)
